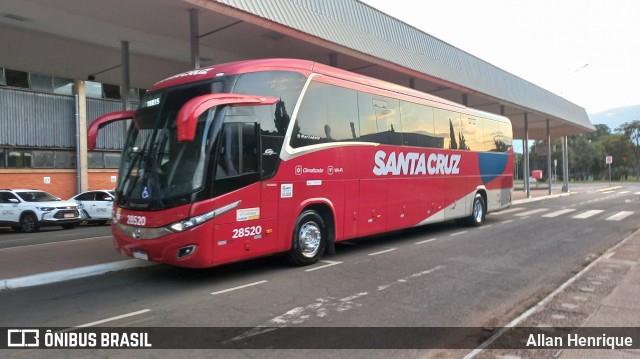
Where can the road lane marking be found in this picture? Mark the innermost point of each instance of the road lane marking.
(608, 192)
(507, 221)
(458, 233)
(534, 211)
(637, 193)
(239, 287)
(329, 264)
(516, 209)
(70, 234)
(50, 243)
(624, 192)
(619, 216)
(426, 241)
(485, 226)
(112, 318)
(588, 214)
(559, 213)
(381, 252)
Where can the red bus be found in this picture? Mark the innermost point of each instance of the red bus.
(251, 158)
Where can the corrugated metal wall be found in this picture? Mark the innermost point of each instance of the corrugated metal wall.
(111, 136)
(36, 119)
(45, 120)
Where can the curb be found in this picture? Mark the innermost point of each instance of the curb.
(547, 299)
(535, 199)
(73, 273)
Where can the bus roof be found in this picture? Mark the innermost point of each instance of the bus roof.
(307, 67)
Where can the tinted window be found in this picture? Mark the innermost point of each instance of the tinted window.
(41, 83)
(36, 196)
(379, 119)
(17, 78)
(417, 126)
(43, 159)
(274, 120)
(284, 85)
(89, 196)
(507, 137)
(19, 159)
(238, 150)
(470, 134)
(447, 126)
(6, 196)
(328, 113)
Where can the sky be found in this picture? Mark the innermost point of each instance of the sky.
(587, 51)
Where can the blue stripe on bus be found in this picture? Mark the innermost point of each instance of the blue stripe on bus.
(492, 165)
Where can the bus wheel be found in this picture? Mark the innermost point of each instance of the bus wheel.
(478, 211)
(309, 239)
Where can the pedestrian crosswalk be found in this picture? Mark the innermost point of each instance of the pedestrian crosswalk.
(588, 214)
(559, 213)
(569, 213)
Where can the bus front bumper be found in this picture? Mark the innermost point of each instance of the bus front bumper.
(190, 248)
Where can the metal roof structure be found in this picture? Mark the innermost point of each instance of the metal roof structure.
(76, 38)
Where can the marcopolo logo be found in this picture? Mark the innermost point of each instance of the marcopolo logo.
(413, 163)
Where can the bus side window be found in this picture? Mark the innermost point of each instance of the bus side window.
(379, 119)
(238, 150)
(327, 114)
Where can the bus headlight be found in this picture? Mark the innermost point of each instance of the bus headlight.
(200, 219)
(192, 222)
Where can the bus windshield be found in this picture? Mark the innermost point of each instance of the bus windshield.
(157, 171)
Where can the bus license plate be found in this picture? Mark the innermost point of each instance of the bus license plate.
(141, 254)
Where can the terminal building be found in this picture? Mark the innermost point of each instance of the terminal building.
(64, 64)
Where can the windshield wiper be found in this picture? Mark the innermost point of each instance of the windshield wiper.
(126, 192)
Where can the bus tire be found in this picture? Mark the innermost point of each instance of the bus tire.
(309, 239)
(478, 212)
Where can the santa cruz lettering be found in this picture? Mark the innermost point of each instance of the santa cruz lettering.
(414, 163)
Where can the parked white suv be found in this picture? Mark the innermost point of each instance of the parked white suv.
(27, 210)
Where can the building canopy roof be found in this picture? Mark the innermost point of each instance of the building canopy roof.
(76, 38)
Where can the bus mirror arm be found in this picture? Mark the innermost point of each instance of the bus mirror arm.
(98, 123)
(190, 111)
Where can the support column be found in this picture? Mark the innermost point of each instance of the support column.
(412, 83)
(82, 172)
(126, 76)
(525, 155)
(126, 84)
(549, 155)
(465, 99)
(565, 164)
(193, 35)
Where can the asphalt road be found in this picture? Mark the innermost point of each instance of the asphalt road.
(10, 239)
(435, 276)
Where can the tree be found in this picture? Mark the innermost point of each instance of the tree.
(601, 131)
(619, 147)
(631, 131)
